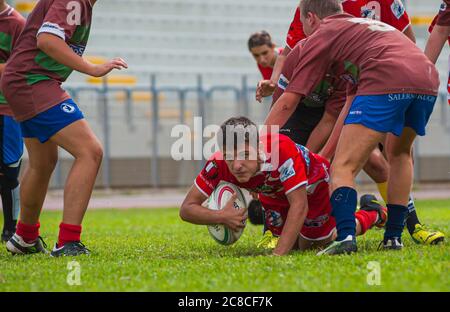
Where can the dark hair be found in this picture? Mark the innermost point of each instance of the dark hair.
(237, 130)
(258, 39)
(322, 8)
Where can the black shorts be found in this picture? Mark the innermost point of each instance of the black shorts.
(302, 123)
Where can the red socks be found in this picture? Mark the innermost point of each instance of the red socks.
(28, 232)
(68, 233)
(366, 219)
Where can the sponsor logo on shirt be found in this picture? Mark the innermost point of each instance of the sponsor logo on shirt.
(305, 153)
(68, 108)
(283, 82)
(371, 11)
(78, 49)
(397, 8)
(287, 170)
(211, 171)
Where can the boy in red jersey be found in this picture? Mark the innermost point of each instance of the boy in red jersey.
(292, 184)
(264, 51)
(49, 49)
(11, 143)
(362, 52)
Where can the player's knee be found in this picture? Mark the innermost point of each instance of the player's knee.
(341, 168)
(45, 165)
(94, 152)
(379, 171)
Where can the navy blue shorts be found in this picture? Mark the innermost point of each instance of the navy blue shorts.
(46, 124)
(392, 112)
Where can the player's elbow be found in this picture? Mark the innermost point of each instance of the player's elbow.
(184, 212)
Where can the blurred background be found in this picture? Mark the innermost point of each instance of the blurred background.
(189, 58)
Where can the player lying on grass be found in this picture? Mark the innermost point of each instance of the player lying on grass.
(310, 126)
(292, 184)
(49, 49)
(11, 143)
(363, 52)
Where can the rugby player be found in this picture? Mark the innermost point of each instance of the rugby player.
(264, 51)
(11, 143)
(362, 52)
(292, 184)
(49, 49)
(440, 32)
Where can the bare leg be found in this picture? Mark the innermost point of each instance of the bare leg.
(352, 154)
(79, 140)
(377, 167)
(34, 185)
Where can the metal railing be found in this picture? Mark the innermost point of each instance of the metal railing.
(205, 96)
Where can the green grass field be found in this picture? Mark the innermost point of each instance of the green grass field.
(153, 250)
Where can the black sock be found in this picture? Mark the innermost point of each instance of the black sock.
(10, 202)
(412, 218)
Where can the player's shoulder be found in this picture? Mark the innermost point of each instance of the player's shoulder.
(280, 144)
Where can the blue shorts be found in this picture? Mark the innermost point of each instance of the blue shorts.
(46, 124)
(11, 143)
(392, 112)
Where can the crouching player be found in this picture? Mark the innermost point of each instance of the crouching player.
(48, 50)
(292, 184)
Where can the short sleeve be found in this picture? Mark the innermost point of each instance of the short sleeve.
(394, 14)
(295, 33)
(62, 18)
(313, 65)
(443, 18)
(210, 176)
(292, 169)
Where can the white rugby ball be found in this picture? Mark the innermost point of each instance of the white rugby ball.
(217, 201)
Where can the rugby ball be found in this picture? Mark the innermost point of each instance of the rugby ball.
(217, 201)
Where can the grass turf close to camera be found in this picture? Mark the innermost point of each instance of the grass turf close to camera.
(153, 250)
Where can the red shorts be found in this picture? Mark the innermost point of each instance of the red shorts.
(319, 224)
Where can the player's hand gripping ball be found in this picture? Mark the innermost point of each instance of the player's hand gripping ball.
(218, 201)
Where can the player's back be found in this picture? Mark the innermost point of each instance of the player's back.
(367, 52)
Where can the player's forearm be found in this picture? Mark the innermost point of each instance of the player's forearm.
(197, 214)
(294, 222)
(278, 67)
(283, 109)
(321, 133)
(58, 50)
(408, 32)
(436, 41)
(2, 68)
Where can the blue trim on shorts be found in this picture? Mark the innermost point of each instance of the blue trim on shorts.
(12, 142)
(46, 124)
(392, 112)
